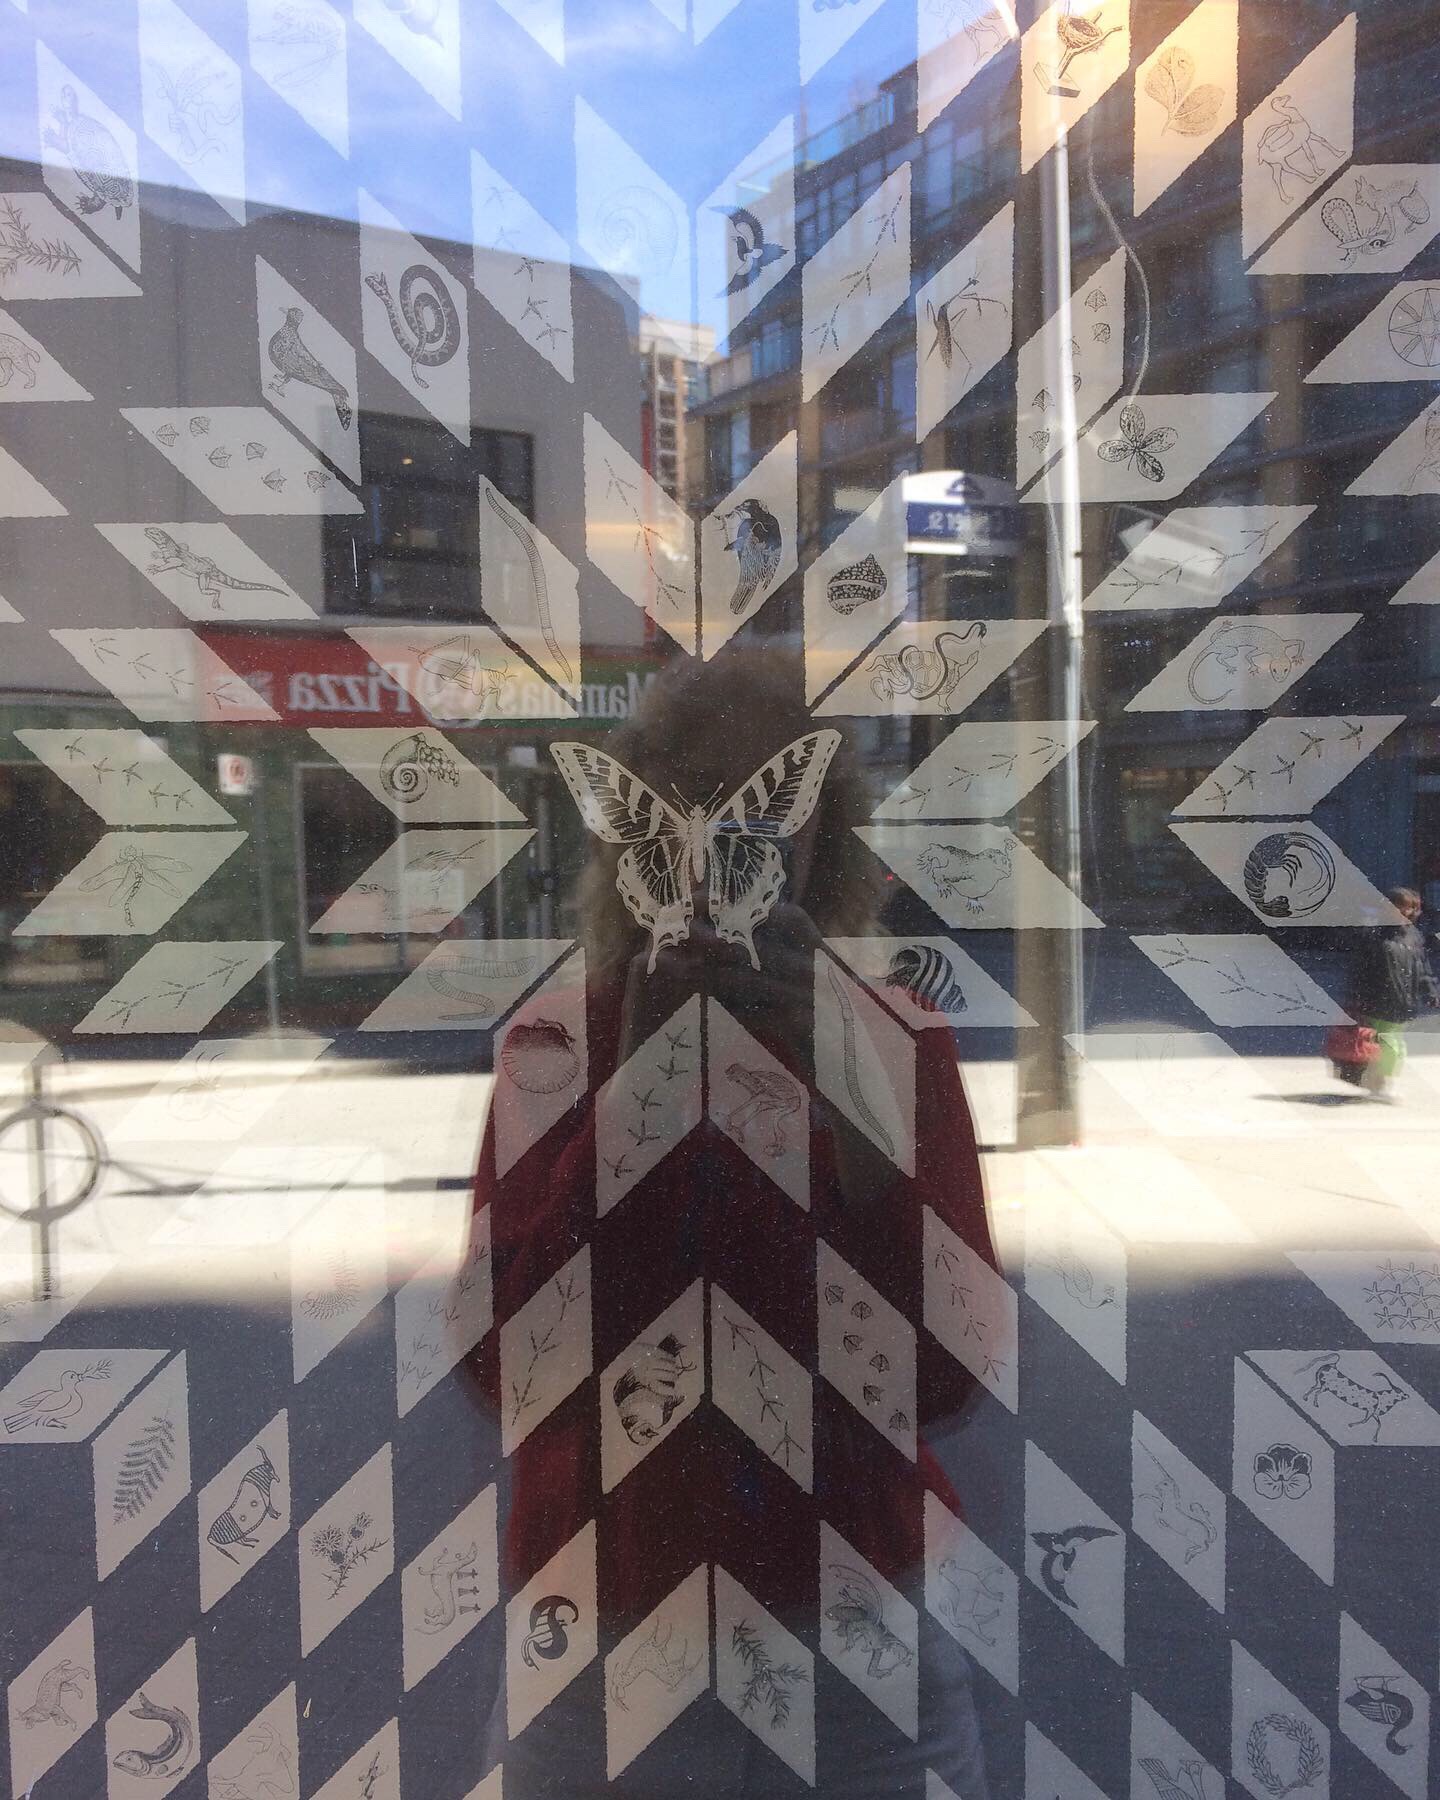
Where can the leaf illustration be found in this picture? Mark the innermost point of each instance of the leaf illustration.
(1189, 111)
(143, 1468)
(1198, 111)
(1169, 81)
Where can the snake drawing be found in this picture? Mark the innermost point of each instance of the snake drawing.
(481, 1006)
(852, 1071)
(426, 324)
(537, 576)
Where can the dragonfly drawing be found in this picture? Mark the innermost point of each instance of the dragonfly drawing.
(130, 875)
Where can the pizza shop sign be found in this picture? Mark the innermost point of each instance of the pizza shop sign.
(317, 681)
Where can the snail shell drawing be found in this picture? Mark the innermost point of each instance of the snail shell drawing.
(540, 1057)
(637, 231)
(408, 765)
(856, 585)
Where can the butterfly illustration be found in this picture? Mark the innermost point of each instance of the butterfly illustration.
(668, 851)
(1138, 448)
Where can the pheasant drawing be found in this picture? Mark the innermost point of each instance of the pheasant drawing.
(973, 875)
(292, 361)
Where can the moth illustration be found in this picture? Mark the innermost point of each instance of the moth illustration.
(668, 851)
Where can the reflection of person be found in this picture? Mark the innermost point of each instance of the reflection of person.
(1391, 983)
(713, 1214)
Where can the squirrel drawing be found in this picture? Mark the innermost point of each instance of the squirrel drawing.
(1238, 652)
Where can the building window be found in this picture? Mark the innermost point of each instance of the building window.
(417, 551)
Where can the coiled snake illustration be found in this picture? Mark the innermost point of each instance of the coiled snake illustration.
(425, 323)
(537, 577)
(923, 674)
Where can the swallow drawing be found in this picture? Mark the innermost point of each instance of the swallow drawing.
(750, 250)
(1061, 1548)
(756, 543)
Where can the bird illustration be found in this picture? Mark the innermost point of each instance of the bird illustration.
(751, 250)
(293, 362)
(1061, 1549)
(54, 1408)
(756, 544)
(1190, 1522)
(1375, 1699)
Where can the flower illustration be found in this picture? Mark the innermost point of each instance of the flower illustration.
(1138, 448)
(1282, 1470)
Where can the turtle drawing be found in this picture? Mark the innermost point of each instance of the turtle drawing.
(94, 155)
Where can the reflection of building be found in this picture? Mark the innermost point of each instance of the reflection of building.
(671, 359)
(1212, 326)
(410, 552)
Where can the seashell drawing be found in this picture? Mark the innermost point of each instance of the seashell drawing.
(220, 456)
(834, 1293)
(274, 481)
(167, 434)
(199, 426)
(316, 479)
(862, 1309)
(540, 1058)
(853, 1341)
(254, 451)
(420, 16)
(879, 1362)
(857, 584)
(637, 231)
(873, 1395)
(408, 765)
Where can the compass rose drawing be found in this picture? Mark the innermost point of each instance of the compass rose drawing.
(1415, 328)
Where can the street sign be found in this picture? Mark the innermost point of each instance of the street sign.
(953, 513)
(237, 773)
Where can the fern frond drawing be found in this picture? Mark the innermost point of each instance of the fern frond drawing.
(143, 1469)
(768, 1683)
(334, 1301)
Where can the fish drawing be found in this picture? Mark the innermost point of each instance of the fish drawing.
(173, 1751)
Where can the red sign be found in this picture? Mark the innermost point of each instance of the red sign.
(313, 679)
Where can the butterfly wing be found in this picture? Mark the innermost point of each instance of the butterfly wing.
(746, 873)
(619, 808)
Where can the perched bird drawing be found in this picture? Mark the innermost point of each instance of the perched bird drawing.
(97, 159)
(56, 1408)
(292, 361)
(756, 543)
(1188, 1783)
(1190, 1522)
(1060, 1550)
(751, 251)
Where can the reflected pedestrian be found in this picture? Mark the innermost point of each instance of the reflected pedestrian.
(1391, 983)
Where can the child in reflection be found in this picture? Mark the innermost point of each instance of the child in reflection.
(1391, 983)
(697, 1491)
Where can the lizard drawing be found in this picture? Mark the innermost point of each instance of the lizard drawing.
(204, 571)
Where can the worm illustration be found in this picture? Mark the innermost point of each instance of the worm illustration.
(442, 981)
(852, 1071)
(537, 576)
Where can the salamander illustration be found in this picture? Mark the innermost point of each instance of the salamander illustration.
(1238, 652)
(204, 571)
